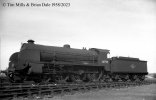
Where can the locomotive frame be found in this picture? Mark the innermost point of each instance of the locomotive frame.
(41, 63)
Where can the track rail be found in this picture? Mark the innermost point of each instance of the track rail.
(9, 91)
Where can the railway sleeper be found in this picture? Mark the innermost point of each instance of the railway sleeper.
(61, 88)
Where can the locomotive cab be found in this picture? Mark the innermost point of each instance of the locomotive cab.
(102, 55)
(103, 59)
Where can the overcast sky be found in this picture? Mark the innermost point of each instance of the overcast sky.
(125, 27)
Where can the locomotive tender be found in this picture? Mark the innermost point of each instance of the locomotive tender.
(40, 63)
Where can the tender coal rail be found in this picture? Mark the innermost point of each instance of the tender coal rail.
(28, 90)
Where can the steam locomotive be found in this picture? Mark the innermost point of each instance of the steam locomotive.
(40, 63)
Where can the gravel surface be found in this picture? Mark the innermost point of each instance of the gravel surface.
(146, 92)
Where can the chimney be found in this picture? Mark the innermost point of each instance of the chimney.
(31, 41)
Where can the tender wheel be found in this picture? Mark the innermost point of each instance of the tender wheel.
(115, 77)
(125, 78)
(133, 78)
(142, 77)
